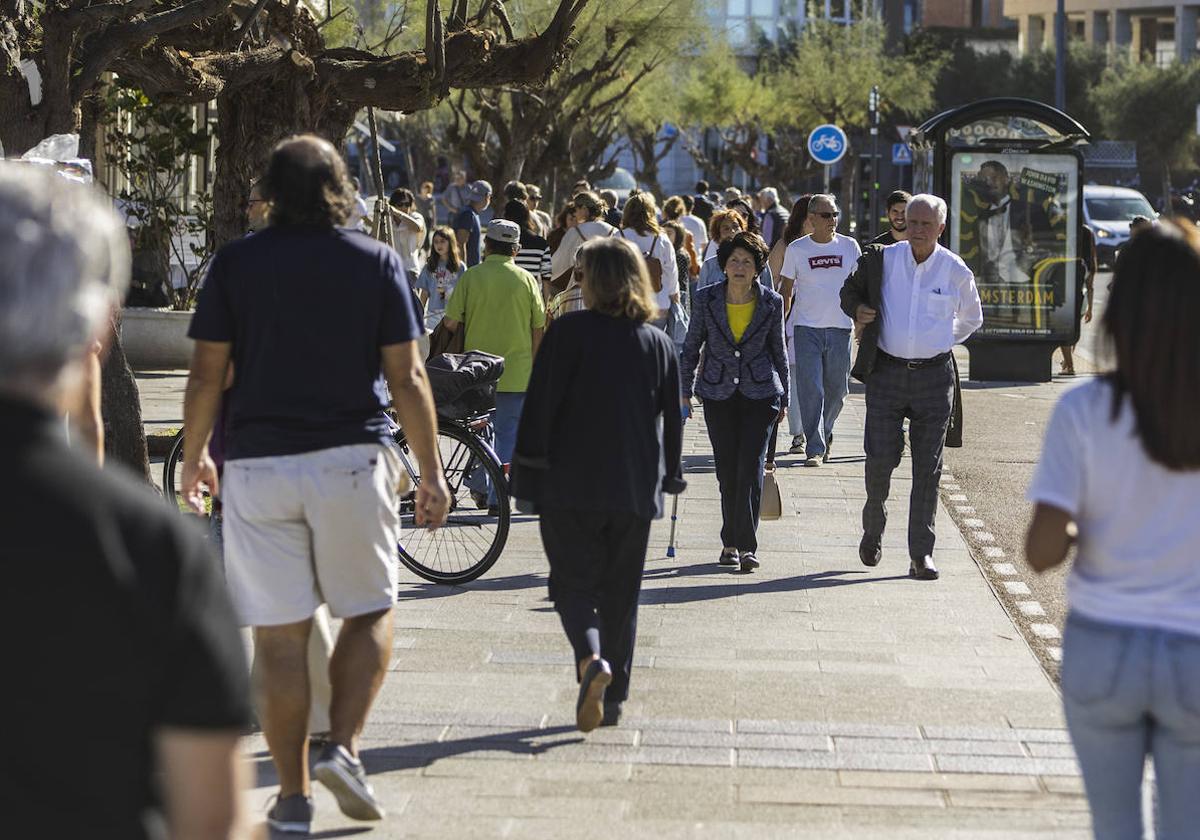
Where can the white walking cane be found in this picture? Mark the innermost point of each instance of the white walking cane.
(675, 507)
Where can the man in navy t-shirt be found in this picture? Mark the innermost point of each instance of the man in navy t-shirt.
(314, 318)
(468, 227)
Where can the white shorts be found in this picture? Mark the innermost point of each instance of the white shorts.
(319, 527)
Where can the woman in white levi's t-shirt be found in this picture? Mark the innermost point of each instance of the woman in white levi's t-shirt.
(640, 227)
(1121, 469)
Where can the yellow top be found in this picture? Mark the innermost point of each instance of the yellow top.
(739, 315)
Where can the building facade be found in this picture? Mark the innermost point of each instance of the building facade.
(1144, 29)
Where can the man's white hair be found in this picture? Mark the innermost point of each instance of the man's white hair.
(64, 264)
(769, 192)
(828, 197)
(937, 205)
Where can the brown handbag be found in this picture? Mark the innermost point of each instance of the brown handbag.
(653, 266)
(560, 283)
(771, 506)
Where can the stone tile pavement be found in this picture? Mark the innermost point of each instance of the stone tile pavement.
(814, 698)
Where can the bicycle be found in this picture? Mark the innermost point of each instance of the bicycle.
(471, 540)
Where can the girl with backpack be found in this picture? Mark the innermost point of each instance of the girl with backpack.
(639, 225)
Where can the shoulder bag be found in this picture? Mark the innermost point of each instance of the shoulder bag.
(560, 283)
(653, 264)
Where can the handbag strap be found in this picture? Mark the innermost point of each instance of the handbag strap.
(771, 445)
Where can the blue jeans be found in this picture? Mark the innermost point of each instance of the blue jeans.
(1131, 691)
(795, 426)
(821, 377)
(506, 419)
(502, 435)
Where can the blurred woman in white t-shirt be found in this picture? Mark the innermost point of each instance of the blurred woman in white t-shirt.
(409, 232)
(1120, 478)
(639, 225)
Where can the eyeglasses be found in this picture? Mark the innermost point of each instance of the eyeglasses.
(828, 215)
(257, 201)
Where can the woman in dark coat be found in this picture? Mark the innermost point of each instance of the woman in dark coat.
(589, 459)
(743, 382)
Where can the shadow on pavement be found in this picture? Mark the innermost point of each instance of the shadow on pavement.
(498, 584)
(316, 835)
(411, 755)
(797, 583)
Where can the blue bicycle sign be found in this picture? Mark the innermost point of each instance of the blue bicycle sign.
(827, 144)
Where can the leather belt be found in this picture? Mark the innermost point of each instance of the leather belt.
(915, 364)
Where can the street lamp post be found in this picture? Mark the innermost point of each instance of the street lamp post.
(1060, 56)
(873, 109)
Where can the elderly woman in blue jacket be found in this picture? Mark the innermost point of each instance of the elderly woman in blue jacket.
(743, 383)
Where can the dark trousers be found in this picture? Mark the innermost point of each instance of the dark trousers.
(739, 429)
(596, 563)
(925, 396)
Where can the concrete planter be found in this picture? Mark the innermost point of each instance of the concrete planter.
(156, 339)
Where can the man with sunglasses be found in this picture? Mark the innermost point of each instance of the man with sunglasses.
(814, 269)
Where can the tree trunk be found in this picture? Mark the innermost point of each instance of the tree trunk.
(121, 407)
(251, 119)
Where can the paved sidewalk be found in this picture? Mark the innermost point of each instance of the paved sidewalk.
(814, 698)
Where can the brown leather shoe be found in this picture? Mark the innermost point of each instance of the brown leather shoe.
(923, 569)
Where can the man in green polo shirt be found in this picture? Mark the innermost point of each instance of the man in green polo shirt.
(501, 308)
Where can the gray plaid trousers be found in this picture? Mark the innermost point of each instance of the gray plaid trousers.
(925, 396)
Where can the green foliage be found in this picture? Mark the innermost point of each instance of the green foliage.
(970, 75)
(829, 77)
(823, 74)
(153, 145)
(621, 78)
(1156, 106)
(719, 92)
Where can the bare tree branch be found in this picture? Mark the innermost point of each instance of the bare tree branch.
(121, 37)
(249, 22)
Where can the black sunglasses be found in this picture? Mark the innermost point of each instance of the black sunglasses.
(828, 215)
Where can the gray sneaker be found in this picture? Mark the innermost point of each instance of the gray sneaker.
(798, 444)
(292, 814)
(346, 779)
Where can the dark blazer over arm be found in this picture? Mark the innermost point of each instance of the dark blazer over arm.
(865, 285)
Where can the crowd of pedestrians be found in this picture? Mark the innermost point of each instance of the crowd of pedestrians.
(737, 301)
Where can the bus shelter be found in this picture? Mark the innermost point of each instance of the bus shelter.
(1011, 173)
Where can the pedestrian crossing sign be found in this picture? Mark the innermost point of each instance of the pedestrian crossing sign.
(901, 154)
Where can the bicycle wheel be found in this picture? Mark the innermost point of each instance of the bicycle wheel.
(172, 477)
(172, 474)
(471, 540)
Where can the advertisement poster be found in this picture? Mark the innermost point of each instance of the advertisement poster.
(1014, 219)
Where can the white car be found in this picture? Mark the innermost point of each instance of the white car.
(1108, 211)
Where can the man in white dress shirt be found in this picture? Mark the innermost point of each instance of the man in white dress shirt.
(915, 300)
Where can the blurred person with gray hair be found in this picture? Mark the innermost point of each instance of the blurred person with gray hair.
(772, 216)
(141, 623)
(914, 301)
